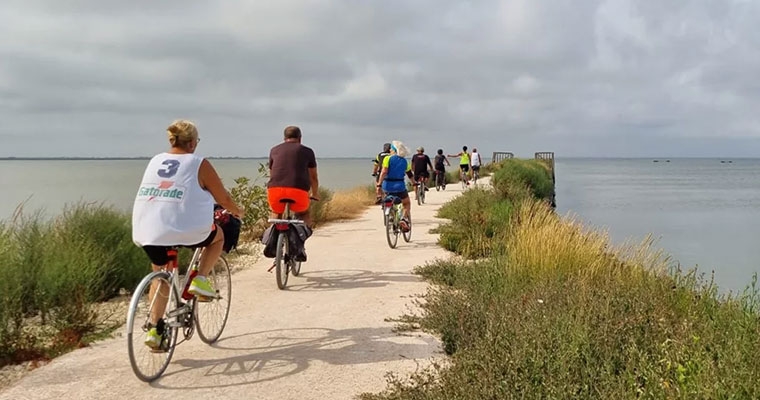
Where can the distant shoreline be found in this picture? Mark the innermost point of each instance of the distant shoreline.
(662, 159)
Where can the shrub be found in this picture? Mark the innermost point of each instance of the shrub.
(252, 197)
(518, 180)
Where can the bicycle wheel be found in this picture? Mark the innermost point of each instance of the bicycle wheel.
(437, 181)
(418, 192)
(295, 269)
(423, 186)
(149, 364)
(281, 260)
(463, 179)
(408, 234)
(211, 316)
(391, 229)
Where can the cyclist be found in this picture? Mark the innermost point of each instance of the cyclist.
(377, 167)
(174, 206)
(440, 168)
(464, 163)
(292, 174)
(395, 167)
(476, 162)
(420, 164)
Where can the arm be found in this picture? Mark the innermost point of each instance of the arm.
(447, 161)
(314, 178)
(383, 174)
(209, 181)
(430, 164)
(376, 168)
(455, 155)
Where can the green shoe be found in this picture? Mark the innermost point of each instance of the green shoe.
(153, 339)
(201, 287)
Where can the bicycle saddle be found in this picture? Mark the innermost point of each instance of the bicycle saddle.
(394, 199)
(291, 201)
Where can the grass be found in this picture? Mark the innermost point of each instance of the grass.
(54, 270)
(555, 311)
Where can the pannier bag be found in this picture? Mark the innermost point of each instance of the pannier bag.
(230, 227)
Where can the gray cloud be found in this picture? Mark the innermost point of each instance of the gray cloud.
(612, 77)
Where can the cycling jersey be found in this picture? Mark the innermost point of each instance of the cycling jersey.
(439, 160)
(397, 168)
(465, 159)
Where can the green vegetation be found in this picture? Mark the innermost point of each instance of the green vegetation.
(552, 310)
(52, 271)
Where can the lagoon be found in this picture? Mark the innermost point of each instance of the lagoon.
(701, 211)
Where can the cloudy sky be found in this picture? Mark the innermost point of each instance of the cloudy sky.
(578, 77)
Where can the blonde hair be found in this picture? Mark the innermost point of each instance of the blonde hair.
(181, 132)
(401, 149)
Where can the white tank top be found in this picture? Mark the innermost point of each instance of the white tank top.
(475, 162)
(171, 208)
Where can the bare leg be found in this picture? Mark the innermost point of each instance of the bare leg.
(407, 203)
(159, 304)
(211, 253)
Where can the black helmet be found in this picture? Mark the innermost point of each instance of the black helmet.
(464, 148)
(386, 147)
(440, 151)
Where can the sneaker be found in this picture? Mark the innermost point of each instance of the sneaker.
(201, 287)
(378, 200)
(404, 224)
(300, 257)
(153, 339)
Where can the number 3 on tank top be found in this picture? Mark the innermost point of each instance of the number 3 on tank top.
(171, 169)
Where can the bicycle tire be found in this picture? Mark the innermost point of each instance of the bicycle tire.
(422, 191)
(391, 229)
(418, 193)
(211, 316)
(281, 264)
(139, 311)
(295, 269)
(463, 179)
(408, 234)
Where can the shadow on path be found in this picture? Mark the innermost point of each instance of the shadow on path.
(275, 354)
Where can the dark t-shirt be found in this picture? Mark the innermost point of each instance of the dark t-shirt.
(289, 165)
(420, 163)
(439, 162)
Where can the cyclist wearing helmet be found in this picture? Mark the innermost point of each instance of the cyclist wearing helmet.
(420, 164)
(395, 167)
(377, 167)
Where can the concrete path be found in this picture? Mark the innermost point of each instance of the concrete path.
(325, 337)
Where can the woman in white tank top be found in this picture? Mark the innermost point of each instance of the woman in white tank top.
(174, 206)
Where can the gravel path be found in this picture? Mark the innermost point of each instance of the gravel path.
(325, 337)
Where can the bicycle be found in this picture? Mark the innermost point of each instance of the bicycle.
(284, 262)
(420, 192)
(463, 179)
(475, 176)
(393, 211)
(183, 311)
(440, 180)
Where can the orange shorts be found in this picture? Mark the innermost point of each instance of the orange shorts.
(275, 194)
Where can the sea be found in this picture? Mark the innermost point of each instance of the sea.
(704, 213)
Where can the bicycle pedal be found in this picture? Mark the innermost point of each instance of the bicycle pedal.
(271, 268)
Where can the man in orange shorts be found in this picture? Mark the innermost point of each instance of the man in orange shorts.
(292, 174)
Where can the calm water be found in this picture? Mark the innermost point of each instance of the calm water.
(703, 212)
